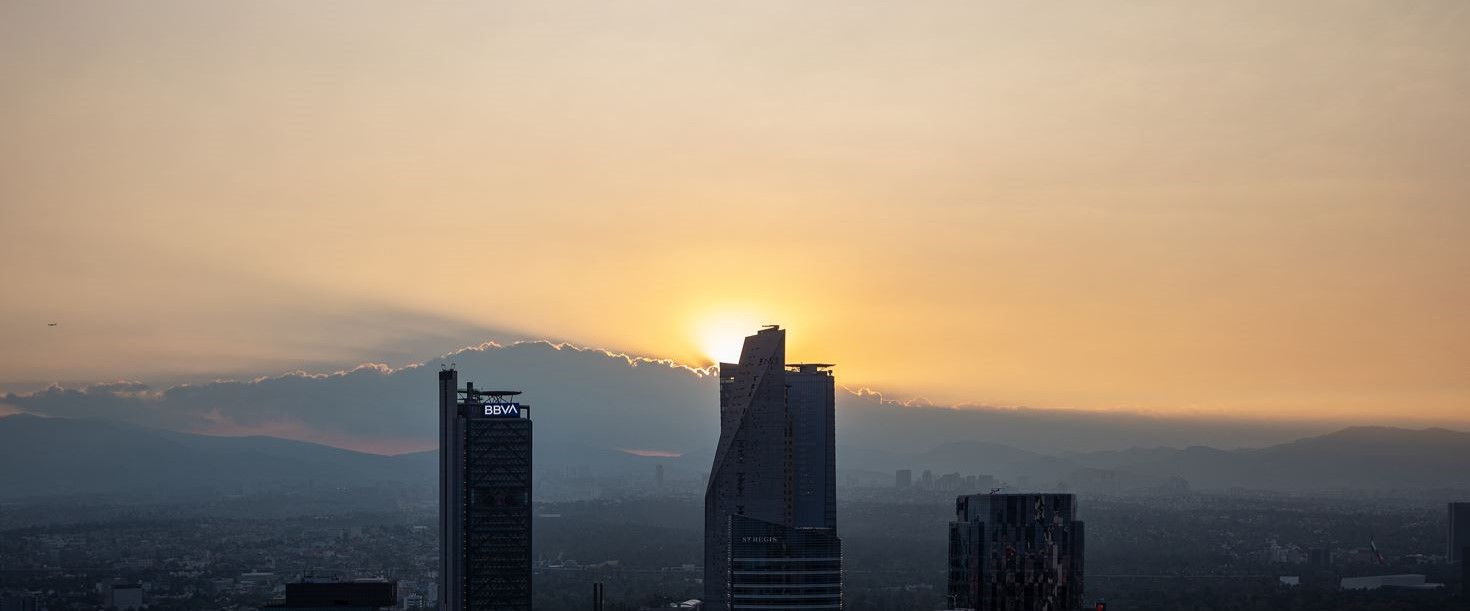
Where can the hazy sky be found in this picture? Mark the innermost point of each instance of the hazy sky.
(1245, 208)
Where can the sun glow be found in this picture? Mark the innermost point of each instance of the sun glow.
(722, 336)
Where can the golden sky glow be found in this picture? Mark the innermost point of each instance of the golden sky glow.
(721, 334)
(1252, 208)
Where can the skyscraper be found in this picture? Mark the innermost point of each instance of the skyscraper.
(1465, 571)
(779, 567)
(810, 404)
(1015, 552)
(484, 498)
(903, 479)
(1459, 532)
(771, 498)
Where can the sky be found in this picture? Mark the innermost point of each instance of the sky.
(1244, 209)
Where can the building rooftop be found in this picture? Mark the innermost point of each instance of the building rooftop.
(810, 367)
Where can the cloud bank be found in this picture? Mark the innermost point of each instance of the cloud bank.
(592, 400)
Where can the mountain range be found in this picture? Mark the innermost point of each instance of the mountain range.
(65, 456)
(598, 402)
(1350, 458)
(610, 414)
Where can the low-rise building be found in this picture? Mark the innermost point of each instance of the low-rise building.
(1374, 582)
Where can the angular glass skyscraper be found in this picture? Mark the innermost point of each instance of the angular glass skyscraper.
(771, 501)
(1015, 552)
(484, 498)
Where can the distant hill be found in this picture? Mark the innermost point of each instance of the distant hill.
(1353, 458)
(63, 456)
(588, 402)
(964, 457)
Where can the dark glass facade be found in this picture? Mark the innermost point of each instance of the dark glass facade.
(1459, 532)
(338, 596)
(776, 567)
(485, 499)
(775, 462)
(1016, 552)
(810, 402)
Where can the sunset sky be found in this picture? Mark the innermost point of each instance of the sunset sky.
(1255, 209)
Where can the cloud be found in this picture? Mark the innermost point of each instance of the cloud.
(590, 400)
(596, 398)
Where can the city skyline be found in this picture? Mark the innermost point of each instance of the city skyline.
(773, 488)
(962, 305)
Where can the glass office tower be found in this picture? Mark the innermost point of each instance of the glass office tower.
(1458, 537)
(1015, 552)
(484, 498)
(774, 472)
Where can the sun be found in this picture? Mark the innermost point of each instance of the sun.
(720, 337)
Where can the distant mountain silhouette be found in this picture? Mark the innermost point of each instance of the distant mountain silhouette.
(1353, 458)
(1358, 457)
(63, 456)
(588, 403)
(964, 457)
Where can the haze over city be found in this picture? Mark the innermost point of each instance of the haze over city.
(838, 305)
